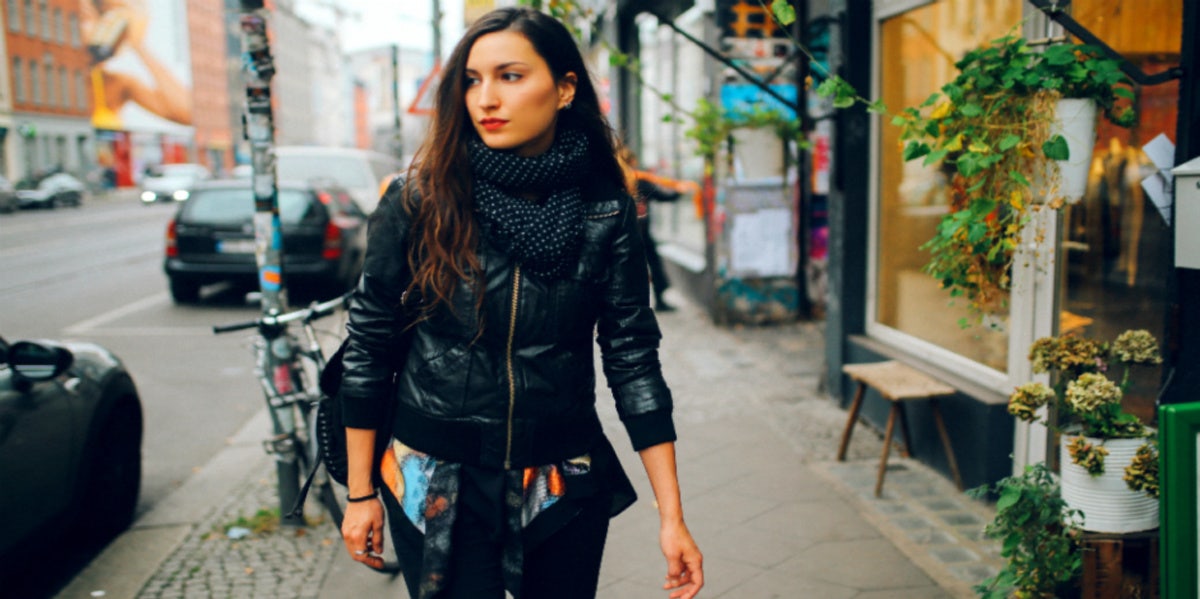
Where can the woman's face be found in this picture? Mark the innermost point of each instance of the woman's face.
(511, 95)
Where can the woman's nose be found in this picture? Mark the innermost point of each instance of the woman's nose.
(487, 97)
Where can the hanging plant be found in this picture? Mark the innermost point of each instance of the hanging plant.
(992, 124)
(712, 125)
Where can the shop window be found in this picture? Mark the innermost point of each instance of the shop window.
(1117, 244)
(917, 52)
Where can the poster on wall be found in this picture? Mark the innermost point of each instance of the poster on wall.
(141, 64)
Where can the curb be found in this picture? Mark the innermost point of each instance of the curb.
(130, 560)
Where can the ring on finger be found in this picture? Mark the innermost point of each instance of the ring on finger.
(362, 552)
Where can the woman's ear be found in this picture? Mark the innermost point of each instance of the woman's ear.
(566, 89)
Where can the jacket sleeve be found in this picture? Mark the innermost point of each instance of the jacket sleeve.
(628, 335)
(374, 314)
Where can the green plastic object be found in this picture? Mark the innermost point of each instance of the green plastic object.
(1179, 444)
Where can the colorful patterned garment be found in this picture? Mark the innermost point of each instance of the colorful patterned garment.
(428, 488)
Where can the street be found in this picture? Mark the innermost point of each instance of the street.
(95, 274)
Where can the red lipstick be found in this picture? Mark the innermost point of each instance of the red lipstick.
(491, 123)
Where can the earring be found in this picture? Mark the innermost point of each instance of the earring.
(567, 106)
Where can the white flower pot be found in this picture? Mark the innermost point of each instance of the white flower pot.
(757, 153)
(1075, 120)
(1107, 503)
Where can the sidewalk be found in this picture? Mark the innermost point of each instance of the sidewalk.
(773, 512)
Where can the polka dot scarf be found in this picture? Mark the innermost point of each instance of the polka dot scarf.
(543, 236)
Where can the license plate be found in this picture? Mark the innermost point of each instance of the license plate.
(235, 246)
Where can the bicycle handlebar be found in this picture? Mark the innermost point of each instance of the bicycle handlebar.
(313, 312)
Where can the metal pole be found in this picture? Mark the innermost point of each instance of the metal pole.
(437, 32)
(259, 129)
(398, 141)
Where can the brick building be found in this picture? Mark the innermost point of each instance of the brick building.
(47, 83)
(210, 85)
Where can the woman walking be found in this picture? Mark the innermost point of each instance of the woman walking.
(513, 250)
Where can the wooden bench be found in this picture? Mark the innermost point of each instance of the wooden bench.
(897, 383)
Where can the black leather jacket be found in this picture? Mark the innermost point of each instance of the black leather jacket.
(523, 392)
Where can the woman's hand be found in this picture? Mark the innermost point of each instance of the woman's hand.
(362, 530)
(685, 565)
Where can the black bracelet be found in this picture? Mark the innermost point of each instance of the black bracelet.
(373, 495)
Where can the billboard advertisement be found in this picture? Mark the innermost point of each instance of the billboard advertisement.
(141, 76)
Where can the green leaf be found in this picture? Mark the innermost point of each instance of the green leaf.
(1056, 148)
(667, 118)
(1019, 178)
(899, 121)
(971, 110)
(784, 13)
(915, 150)
(1009, 142)
(934, 156)
(1007, 499)
(968, 164)
(877, 107)
(828, 87)
(1124, 92)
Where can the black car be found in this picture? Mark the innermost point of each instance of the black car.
(211, 239)
(70, 447)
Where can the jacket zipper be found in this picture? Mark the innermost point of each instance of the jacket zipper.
(512, 385)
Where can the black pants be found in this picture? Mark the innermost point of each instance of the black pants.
(566, 564)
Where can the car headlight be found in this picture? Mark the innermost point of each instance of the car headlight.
(148, 196)
(180, 195)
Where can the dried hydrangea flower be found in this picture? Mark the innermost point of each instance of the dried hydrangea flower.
(1041, 354)
(1137, 347)
(1027, 399)
(1079, 353)
(1091, 391)
(1142, 472)
(1088, 456)
(1067, 353)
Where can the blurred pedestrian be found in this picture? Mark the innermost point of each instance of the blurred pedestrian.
(645, 191)
(513, 248)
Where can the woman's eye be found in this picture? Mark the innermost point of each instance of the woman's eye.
(470, 81)
(511, 76)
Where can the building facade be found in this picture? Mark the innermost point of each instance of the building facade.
(1107, 268)
(210, 90)
(46, 68)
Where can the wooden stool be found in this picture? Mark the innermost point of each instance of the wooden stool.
(897, 383)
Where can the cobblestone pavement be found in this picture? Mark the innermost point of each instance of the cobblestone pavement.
(776, 515)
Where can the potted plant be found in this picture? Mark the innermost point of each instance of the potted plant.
(995, 125)
(1112, 474)
(1038, 535)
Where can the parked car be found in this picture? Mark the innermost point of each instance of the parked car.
(51, 191)
(211, 239)
(172, 182)
(8, 196)
(359, 171)
(70, 448)
(242, 171)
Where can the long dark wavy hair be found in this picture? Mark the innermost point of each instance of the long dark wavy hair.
(444, 217)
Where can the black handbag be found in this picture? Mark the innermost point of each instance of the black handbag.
(331, 432)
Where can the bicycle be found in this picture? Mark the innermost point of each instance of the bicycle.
(288, 367)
